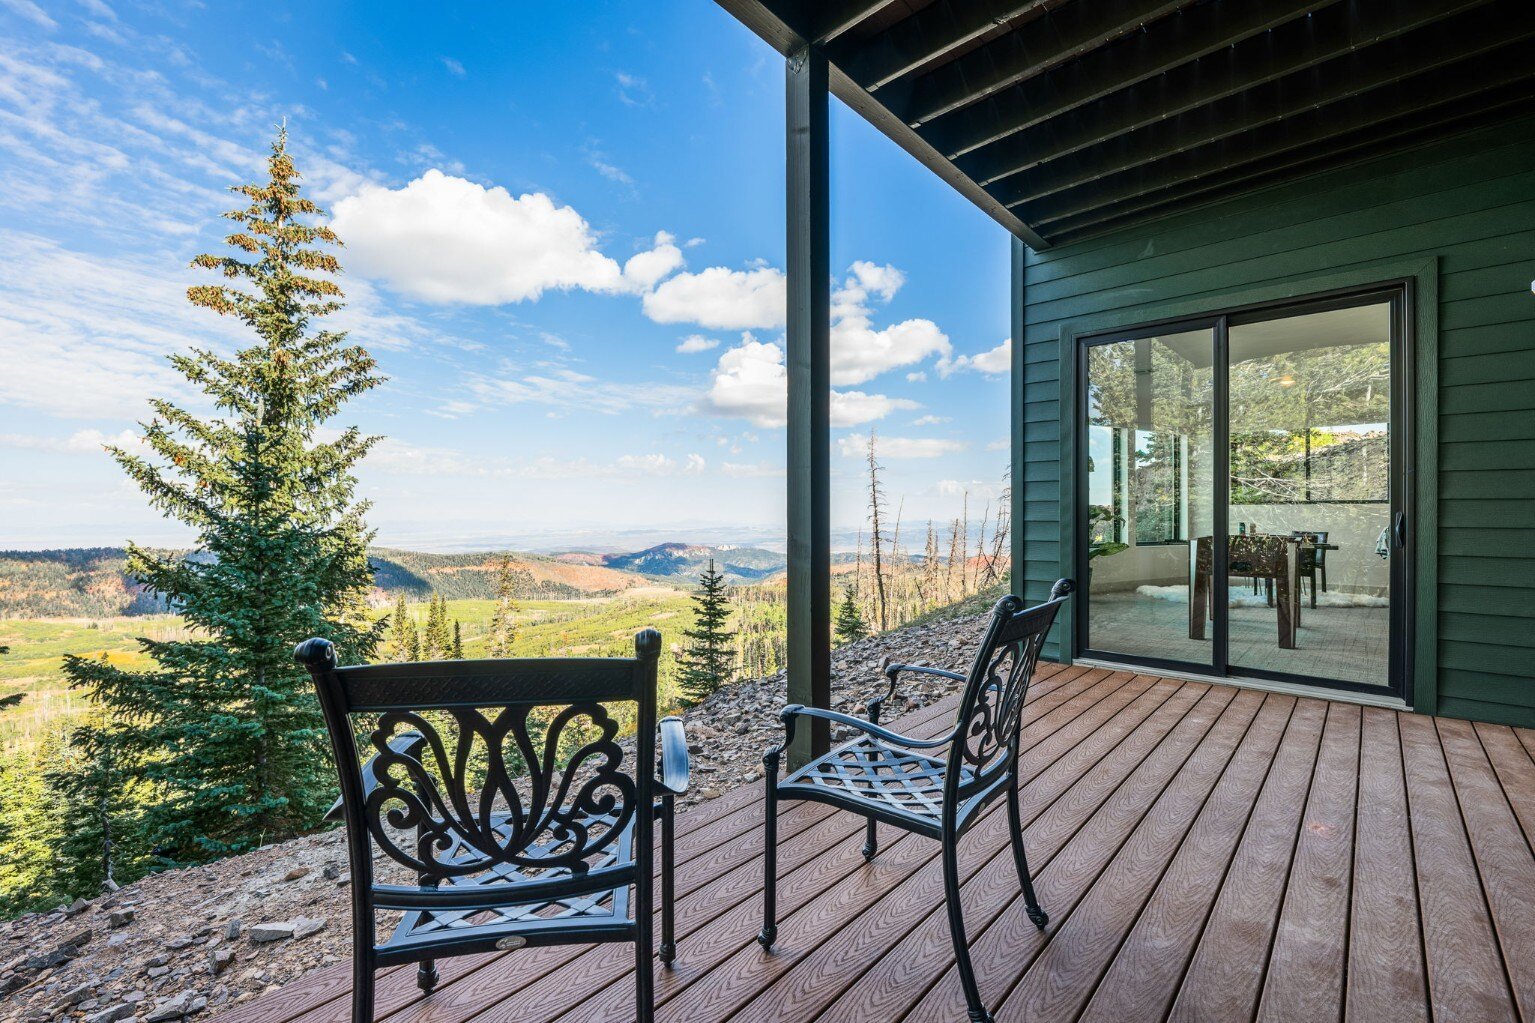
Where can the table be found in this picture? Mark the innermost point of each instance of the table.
(1265, 556)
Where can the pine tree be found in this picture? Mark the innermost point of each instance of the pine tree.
(705, 663)
(849, 625)
(503, 619)
(225, 729)
(458, 641)
(98, 844)
(404, 639)
(437, 639)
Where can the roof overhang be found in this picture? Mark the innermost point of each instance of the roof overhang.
(1062, 119)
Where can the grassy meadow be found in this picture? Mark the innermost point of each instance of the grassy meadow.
(587, 627)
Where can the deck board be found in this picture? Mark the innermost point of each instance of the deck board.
(1205, 853)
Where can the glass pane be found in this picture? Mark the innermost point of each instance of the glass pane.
(1311, 494)
(1150, 443)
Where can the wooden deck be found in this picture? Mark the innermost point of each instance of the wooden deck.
(1204, 852)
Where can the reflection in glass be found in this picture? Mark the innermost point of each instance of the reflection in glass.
(1310, 493)
(1150, 443)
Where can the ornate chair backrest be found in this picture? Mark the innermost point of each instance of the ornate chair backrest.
(477, 722)
(991, 707)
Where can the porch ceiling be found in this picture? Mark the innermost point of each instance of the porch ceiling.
(1066, 118)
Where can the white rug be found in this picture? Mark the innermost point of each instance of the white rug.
(1327, 598)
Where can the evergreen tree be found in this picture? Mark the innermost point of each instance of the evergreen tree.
(849, 625)
(503, 619)
(437, 638)
(458, 641)
(404, 640)
(705, 664)
(98, 844)
(225, 729)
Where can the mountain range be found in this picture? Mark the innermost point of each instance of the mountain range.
(93, 583)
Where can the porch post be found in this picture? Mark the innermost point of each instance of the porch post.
(1016, 466)
(808, 359)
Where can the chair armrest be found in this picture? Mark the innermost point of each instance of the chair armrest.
(795, 711)
(892, 671)
(406, 744)
(675, 767)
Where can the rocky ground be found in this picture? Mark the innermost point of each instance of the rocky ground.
(188, 942)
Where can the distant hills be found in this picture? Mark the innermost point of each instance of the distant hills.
(91, 582)
(673, 560)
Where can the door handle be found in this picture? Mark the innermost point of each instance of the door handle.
(1399, 529)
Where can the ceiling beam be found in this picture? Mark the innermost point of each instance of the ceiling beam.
(1031, 49)
(1508, 67)
(825, 20)
(1294, 46)
(1173, 41)
(1343, 78)
(922, 37)
(1417, 129)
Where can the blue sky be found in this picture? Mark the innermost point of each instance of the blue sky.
(542, 204)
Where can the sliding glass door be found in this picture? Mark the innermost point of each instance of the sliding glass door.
(1241, 498)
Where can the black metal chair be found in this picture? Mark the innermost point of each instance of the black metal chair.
(1313, 560)
(519, 826)
(885, 776)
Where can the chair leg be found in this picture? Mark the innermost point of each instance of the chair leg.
(644, 980)
(1021, 860)
(426, 975)
(769, 931)
(977, 1009)
(362, 987)
(870, 842)
(668, 950)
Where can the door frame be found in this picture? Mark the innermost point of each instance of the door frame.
(1403, 497)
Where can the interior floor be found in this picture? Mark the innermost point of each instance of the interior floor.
(1350, 644)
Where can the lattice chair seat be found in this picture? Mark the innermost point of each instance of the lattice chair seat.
(604, 907)
(872, 775)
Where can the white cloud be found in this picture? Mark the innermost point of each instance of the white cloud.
(633, 91)
(751, 381)
(447, 239)
(645, 269)
(721, 299)
(455, 68)
(81, 442)
(392, 455)
(565, 389)
(750, 470)
(917, 377)
(694, 343)
(857, 446)
(29, 11)
(860, 353)
(993, 362)
(930, 420)
(974, 488)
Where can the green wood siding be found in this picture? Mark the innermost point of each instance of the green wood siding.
(1458, 218)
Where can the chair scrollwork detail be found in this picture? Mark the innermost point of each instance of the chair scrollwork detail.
(569, 810)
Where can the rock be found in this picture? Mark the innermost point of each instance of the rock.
(77, 907)
(303, 927)
(74, 996)
(232, 929)
(177, 1007)
(296, 873)
(122, 1010)
(220, 959)
(331, 872)
(121, 917)
(263, 933)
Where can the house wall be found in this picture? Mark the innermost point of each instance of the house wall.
(1457, 220)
